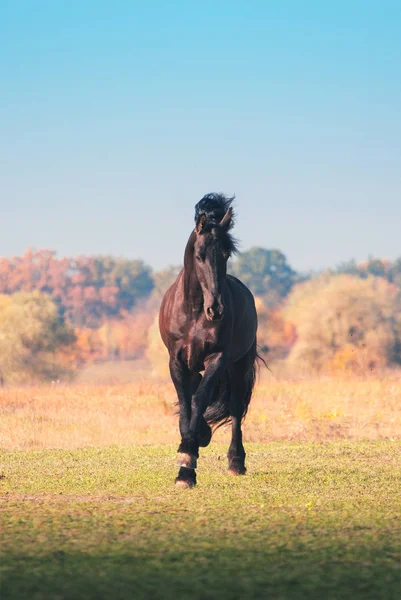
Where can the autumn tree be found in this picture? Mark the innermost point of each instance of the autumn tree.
(276, 334)
(266, 272)
(344, 322)
(87, 290)
(164, 278)
(395, 272)
(34, 340)
(377, 267)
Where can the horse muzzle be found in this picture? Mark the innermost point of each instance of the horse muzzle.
(215, 312)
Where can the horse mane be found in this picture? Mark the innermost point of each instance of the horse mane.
(212, 208)
(188, 265)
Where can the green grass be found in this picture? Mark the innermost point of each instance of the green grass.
(307, 521)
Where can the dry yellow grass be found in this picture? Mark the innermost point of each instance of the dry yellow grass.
(143, 412)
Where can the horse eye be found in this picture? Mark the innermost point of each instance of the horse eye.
(199, 258)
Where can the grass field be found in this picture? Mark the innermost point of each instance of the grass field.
(309, 520)
(143, 412)
(89, 509)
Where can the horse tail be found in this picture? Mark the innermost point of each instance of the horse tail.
(250, 377)
(218, 412)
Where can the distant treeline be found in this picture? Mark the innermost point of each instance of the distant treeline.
(90, 290)
(59, 313)
(87, 289)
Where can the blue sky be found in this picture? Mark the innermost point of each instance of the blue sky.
(116, 117)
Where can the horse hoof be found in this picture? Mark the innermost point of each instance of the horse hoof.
(184, 484)
(236, 471)
(186, 460)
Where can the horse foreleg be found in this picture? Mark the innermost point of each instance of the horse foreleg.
(193, 431)
(205, 431)
(187, 455)
(199, 432)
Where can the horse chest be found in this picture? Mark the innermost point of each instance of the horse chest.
(197, 345)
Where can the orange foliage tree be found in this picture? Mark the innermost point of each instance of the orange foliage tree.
(276, 335)
(87, 289)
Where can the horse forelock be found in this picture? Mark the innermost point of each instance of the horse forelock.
(214, 207)
(211, 209)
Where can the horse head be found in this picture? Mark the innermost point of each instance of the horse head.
(213, 246)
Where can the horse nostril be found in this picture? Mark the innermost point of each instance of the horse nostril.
(215, 312)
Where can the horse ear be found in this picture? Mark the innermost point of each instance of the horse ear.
(226, 221)
(200, 223)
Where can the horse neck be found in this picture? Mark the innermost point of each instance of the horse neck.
(193, 296)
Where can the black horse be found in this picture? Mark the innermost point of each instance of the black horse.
(208, 323)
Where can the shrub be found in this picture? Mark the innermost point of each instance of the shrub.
(345, 323)
(34, 340)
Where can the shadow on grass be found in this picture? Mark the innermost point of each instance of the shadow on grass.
(214, 574)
